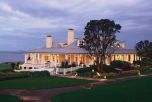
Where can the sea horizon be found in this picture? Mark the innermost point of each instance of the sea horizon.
(11, 56)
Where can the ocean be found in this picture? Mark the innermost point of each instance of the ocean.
(11, 57)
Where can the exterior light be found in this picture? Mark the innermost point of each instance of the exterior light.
(139, 73)
(101, 38)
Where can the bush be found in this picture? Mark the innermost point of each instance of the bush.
(62, 64)
(39, 74)
(12, 75)
(86, 72)
(108, 68)
(13, 65)
(65, 64)
(121, 64)
(20, 75)
(146, 61)
(83, 70)
(138, 62)
(73, 64)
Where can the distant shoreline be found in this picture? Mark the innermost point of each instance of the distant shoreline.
(11, 56)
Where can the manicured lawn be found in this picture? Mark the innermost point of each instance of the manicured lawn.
(41, 83)
(137, 90)
(8, 98)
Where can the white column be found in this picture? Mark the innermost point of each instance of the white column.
(25, 58)
(55, 60)
(39, 59)
(78, 59)
(32, 56)
(66, 57)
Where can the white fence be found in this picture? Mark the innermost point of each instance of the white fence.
(65, 70)
(42, 67)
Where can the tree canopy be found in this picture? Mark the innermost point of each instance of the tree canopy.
(100, 35)
(144, 50)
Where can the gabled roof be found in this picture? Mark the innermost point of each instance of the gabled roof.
(74, 49)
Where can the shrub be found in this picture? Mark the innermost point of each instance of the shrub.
(145, 68)
(13, 65)
(121, 64)
(12, 75)
(86, 72)
(62, 64)
(138, 62)
(108, 68)
(83, 70)
(146, 61)
(73, 64)
(39, 74)
(65, 64)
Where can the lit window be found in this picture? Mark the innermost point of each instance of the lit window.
(46, 58)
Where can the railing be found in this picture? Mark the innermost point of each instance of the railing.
(43, 67)
(65, 70)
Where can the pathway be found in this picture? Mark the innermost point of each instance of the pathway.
(45, 95)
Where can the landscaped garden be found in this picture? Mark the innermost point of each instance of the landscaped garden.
(8, 98)
(136, 90)
(117, 69)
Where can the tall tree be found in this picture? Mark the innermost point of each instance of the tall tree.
(99, 35)
(13, 65)
(144, 49)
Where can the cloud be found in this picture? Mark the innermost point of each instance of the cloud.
(35, 18)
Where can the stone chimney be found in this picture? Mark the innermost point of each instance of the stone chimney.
(70, 36)
(49, 41)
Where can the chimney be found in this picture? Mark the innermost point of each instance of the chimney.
(49, 41)
(70, 36)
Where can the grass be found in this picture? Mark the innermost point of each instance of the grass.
(5, 67)
(8, 98)
(136, 90)
(41, 83)
(12, 75)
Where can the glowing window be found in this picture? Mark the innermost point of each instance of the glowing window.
(46, 58)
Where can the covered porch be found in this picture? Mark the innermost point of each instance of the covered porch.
(55, 60)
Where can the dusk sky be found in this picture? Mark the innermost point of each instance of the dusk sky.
(24, 24)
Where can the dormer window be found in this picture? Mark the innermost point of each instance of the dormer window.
(81, 42)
